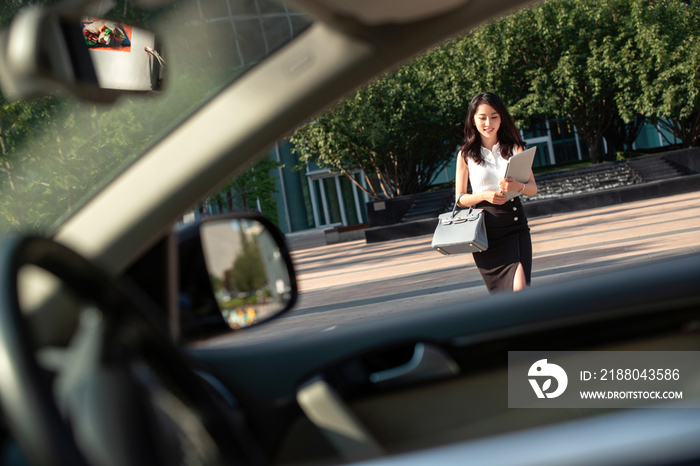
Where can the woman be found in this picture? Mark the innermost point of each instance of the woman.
(490, 139)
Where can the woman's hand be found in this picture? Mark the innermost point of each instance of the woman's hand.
(494, 197)
(510, 184)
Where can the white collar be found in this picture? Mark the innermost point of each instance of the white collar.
(496, 148)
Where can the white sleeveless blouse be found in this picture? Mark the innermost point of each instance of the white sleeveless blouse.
(485, 177)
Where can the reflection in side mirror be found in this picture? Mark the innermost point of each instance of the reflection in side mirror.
(248, 272)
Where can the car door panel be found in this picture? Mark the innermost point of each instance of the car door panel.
(647, 308)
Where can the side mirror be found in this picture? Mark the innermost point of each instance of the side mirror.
(235, 272)
(46, 49)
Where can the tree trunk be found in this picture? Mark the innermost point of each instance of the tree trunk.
(595, 150)
(593, 140)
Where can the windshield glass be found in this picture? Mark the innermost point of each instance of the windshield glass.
(57, 152)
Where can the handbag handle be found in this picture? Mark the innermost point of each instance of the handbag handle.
(454, 209)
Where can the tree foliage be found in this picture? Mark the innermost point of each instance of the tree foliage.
(575, 77)
(668, 68)
(400, 129)
(247, 273)
(254, 184)
(606, 66)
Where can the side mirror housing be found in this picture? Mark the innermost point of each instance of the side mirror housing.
(235, 272)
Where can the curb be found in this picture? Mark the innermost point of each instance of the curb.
(534, 209)
(632, 193)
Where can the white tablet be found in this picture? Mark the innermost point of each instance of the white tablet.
(519, 167)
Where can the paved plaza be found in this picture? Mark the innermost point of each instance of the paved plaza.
(568, 244)
(344, 283)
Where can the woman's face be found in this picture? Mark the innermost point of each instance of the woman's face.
(487, 121)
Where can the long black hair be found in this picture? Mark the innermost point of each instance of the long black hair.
(508, 135)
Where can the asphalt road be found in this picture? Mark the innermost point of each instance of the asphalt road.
(350, 282)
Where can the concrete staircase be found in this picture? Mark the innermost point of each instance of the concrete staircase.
(656, 167)
(429, 205)
(577, 181)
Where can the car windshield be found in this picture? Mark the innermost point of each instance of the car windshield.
(58, 152)
(357, 234)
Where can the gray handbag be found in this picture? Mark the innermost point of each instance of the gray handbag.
(460, 231)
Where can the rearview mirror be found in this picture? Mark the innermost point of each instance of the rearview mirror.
(46, 49)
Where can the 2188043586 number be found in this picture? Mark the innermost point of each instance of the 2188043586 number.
(640, 374)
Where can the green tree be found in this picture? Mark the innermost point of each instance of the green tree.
(399, 130)
(577, 76)
(579, 59)
(248, 271)
(256, 183)
(499, 57)
(667, 66)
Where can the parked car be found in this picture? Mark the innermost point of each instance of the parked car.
(94, 364)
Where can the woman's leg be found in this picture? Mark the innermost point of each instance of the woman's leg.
(519, 280)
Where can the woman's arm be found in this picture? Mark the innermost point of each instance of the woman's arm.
(461, 180)
(529, 188)
(461, 183)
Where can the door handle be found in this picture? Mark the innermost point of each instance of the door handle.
(428, 362)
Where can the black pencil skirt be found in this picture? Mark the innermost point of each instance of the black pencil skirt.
(509, 245)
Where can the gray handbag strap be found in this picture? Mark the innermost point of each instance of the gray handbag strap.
(454, 209)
